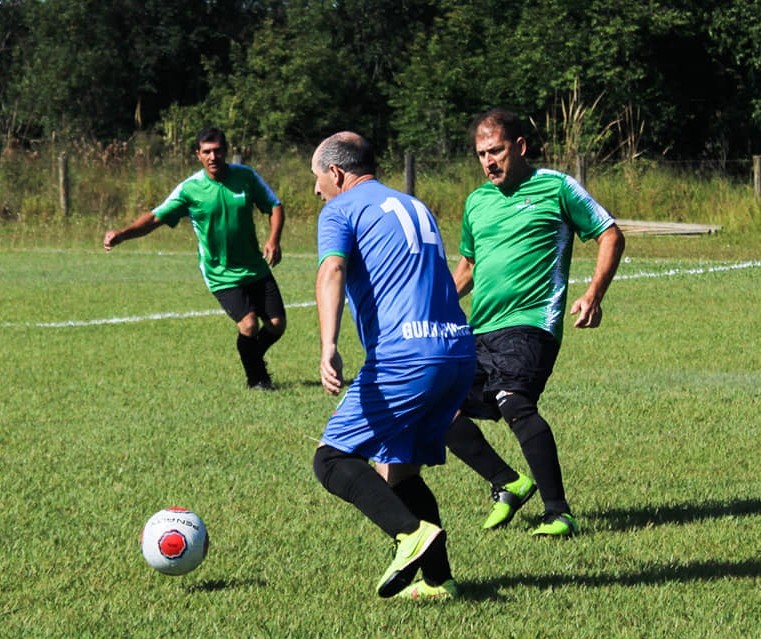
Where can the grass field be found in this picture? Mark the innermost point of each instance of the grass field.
(122, 394)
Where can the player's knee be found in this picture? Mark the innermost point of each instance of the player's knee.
(274, 327)
(248, 326)
(277, 326)
(514, 406)
(522, 415)
(326, 459)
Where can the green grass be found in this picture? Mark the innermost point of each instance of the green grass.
(656, 416)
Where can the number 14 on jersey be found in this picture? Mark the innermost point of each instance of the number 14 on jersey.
(428, 232)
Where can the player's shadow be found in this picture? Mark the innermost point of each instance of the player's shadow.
(696, 571)
(307, 383)
(213, 585)
(629, 519)
(625, 519)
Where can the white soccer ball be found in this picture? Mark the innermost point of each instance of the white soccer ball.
(174, 541)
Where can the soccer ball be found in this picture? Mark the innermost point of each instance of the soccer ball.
(174, 541)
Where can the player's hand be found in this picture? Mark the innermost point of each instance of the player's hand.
(589, 312)
(110, 240)
(272, 254)
(331, 372)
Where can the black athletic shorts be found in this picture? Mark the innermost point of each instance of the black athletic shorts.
(518, 359)
(260, 296)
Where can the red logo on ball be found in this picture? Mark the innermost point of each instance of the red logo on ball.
(172, 544)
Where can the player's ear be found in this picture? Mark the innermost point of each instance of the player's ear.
(337, 175)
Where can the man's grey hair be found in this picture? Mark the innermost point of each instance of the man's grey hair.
(348, 151)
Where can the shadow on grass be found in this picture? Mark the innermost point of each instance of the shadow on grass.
(213, 585)
(307, 383)
(650, 576)
(623, 519)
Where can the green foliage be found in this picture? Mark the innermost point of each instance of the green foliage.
(643, 191)
(438, 92)
(106, 69)
(736, 34)
(680, 78)
(112, 184)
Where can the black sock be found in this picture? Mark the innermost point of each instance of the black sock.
(467, 442)
(541, 453)
(352, 479)
(266, 339)
(251, 357)
(416, 495)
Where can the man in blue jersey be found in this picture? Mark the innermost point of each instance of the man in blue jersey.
(517, 237)
(219, 200)
(381, 249)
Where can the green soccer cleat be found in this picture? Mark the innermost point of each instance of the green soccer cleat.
(507, 500)
(554, 525)
(421, 591)
(410, 549)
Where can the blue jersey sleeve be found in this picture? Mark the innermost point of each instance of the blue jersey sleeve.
(334, 234)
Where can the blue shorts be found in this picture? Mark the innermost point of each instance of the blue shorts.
(400, 413)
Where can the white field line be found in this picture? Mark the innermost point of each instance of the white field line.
(672, 272)
(129, 320)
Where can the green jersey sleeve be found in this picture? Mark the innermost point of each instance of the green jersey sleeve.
(588, 218)
(174, 208)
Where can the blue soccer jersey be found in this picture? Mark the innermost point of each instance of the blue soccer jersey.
(398, 284)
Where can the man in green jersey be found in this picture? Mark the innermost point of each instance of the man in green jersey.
(219, 200)
(517, 236)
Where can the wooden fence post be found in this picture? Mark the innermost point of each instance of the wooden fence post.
(581, 168)
(757, 176)
(409, 173)
(63, 183)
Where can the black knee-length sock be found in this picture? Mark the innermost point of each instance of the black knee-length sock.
(468, 443)
(352, 479)
(251, 357)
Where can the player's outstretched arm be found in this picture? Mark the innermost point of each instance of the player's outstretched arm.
(610, 247)
(141, 226)
(329, 294)
(272, 252)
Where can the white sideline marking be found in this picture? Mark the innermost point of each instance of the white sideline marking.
(672, 272)
(130, 320)
(699, 270)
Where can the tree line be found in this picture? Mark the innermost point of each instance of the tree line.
(672, 79)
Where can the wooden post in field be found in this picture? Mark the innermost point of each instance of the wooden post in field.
(63, 183)
(409, 173)
(581, 168)
(757, 176)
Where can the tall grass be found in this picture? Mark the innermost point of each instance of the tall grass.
(113, 184)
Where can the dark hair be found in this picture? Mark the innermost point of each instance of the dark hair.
(510, 123)
(348, 151)
(211, 134)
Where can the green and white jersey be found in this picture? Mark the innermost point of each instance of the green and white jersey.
(521, 244)
(223, 221)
